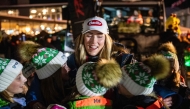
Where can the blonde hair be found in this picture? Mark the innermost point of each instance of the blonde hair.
(80, 51)
(6, 96)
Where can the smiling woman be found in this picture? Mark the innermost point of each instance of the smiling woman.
(11, 83)
(94, 42)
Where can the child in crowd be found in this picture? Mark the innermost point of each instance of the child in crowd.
(51, 70)
(93, 79)
(173, 86)
(11, 83)
(136, 88)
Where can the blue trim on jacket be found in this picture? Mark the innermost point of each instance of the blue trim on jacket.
(34, 93)
(166, 92)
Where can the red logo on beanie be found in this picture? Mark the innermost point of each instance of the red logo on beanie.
(94, 23)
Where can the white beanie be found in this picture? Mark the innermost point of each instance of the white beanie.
(95, 23)
(95, 78)
(86, 83)
(137, 80)
(9, 70)
(47, 61)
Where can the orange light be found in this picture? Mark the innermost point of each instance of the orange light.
(188, 73)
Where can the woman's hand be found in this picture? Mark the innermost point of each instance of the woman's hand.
(168, 101)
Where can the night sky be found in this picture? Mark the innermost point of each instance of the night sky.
(169, 2)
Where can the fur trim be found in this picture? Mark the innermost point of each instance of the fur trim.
(108, 73)
(168, 47)
(159, 66)
(27, 49)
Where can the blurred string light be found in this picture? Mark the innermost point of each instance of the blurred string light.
(27, 29)
(10, 12)
(42, 27)
(44, 17)
(53, 10)
(64, 6)
(37, 32)
(33, 11)
(187, 57)
(44, 11)
(30, 16)
(9, 32)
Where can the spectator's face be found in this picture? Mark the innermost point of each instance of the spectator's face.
(49, 40)
(17, 86)
(94, 42)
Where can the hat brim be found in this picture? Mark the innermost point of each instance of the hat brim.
(93, 29)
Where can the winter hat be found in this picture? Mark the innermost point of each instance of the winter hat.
(139, 78)
(94, 79)
(28, 69)
(9, 70)
(169, 51)
(95, 23)
(47, 61)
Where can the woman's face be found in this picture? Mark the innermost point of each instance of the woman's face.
(94, 42)
(17, 86)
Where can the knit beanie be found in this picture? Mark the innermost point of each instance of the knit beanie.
(47, 61)
(169, 51)
(28, 69)
(95, 78)
(9, 70)
(139, 78)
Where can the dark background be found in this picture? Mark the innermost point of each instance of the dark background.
(167, 2)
